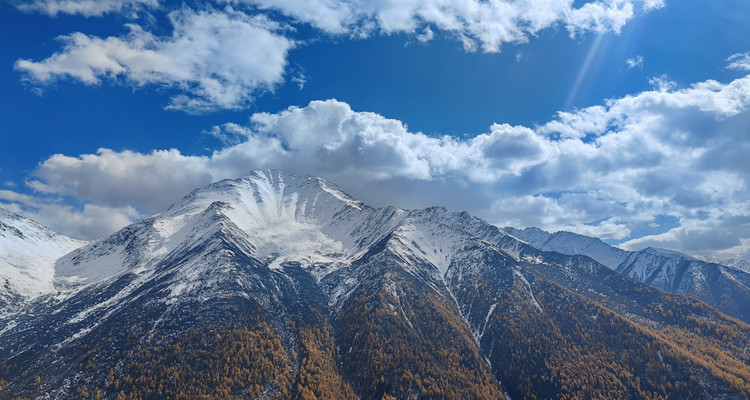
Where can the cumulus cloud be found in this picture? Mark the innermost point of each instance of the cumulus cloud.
(478, 24)
(119, 179)
(217, 60)
(609, 170)
(89, 221)
(88, 8)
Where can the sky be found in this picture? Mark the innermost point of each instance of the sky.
(628, 120)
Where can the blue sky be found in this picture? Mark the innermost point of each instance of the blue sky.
(622, 119)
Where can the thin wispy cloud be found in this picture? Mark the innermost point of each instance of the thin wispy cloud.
(88, 8)
(635, 62)
(740, 61)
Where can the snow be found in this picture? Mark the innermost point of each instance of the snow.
(93, 269)
(341, 292)
(734, 263)
(431, 242)
(514, 249)
(436, 236)
(28, 252)
(10, 325)
(337, 193)
(665, 269)
(658, 267)
(527, 286)
(487, 318)
(571, 243)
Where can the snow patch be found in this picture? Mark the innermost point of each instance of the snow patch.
(527, 286)
(28, 252)
(487, 319)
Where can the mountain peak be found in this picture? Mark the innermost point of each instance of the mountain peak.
(668, 270)
(269, 194)
(269, 215)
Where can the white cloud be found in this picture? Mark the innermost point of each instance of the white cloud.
(478, 24)
(662, 83)
(635, 62)
(92, 221)
(334, 16)
(600, 17)
(86, 222)
(15, 197)
(701, 239)
(119, 179)
(88, 8)
(218, 60)
(426, 36)
(300, 80)
(606, 170)
(649, 5)
(588, 121)
(739, 61)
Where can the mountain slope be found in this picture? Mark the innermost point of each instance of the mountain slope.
(28, 252)
(740, 264)
(727, 289)
(282, 286)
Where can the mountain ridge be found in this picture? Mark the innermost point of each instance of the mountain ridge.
(300, 291)
(723, 287)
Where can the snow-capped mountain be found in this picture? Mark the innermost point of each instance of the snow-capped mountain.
(282, 286)
(736, 263)
(28, 252)
(571, 243)
(272, 217)
(726, 288)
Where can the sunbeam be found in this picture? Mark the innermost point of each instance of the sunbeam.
(584, 70)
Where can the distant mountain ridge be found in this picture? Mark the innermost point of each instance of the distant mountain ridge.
(282, 286)
(740, 264)
(726, 288)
